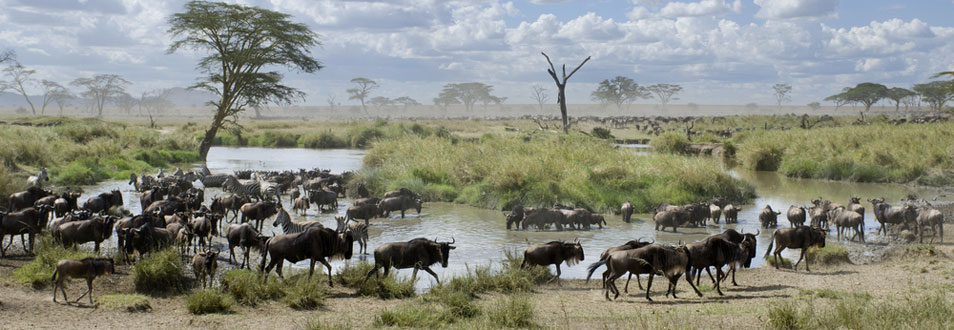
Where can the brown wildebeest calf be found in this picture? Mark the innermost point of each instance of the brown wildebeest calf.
(204, 265)
(88, 268)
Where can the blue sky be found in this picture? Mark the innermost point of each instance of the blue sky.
(721, 51)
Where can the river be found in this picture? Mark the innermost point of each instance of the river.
(480, 234)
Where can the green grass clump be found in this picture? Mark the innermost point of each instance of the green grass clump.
(413, 316)
(160, 273)
(208, 301)
(39, 272)
(325, 324)
(512, 312)
(323, 140)
(671, 143)
(352, 275)
(544, 169)
(783, 262)
(133, 303)
(831, 254)
(924, 312)
(880, 152)
(302, 293)
(247, 287)
(834, 294)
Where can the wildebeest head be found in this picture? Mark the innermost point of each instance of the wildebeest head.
(444, 248)
(133, 178)
(116, 198)
(417, 204)
(817, 237)
(750, 242)
(573, 253)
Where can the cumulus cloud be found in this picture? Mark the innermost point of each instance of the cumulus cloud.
(701, 8)
(782, 9)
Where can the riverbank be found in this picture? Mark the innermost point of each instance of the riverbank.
(499, 172)
(80, 152)
(908, 290)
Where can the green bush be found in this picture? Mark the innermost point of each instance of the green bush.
(160, 273)
(352, 275)
(132, 303)
(831, 254)
(413, 316)
(782, 263)
(247, 287)
(671, 143)
(513, 312)
(601, 132)
(323, 140)
(303, 293)
(208, 301)
(38, 272)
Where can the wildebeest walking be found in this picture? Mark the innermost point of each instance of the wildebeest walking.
(94, 230)
(715, 251)
(314, 243)
(795, 238)
(259, 211)
(887, 214)
(928, 216)
(418, 253)
(363, 211)
(627, 211)
(29, 221)
(670, 261)
(553, 253)
(400, 203)
(731, 213)
(88, 268)
(245, 236)
(603, 256)
(846, 220)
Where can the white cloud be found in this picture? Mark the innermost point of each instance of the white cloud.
(544, 2)
(782, 9)
(701, 8)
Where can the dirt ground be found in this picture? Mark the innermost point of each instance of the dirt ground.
(569, 304)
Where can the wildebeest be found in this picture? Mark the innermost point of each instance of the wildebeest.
(25, 199)
(796, 216)
(104, 201)
(366, 201)
(731, 213)
(314, 243)
(795, 238)
(768, 217)
(553, 253)
(66, 203)
(418, 253)
(928, 216)
(322, 197)
(69, 217)
(94, 230)
(146, 238)
(715, 251)
(627, 211)
(152, 195)
(204, 265)
(402, 192)
(358, 230)
(886, 214)
(736, 237)
(854, 205)
(603, 256)
(245, 236)
(259, 211)
(715, 211)
(204, 227)
(300, 205)
(29, 221)
(670, 261)
(674, 217)
(543, 217)
(846, 220)
(231, 203)
(400, 203)
(819, 217)
(88, 268)
(362, 191)
(515, 217)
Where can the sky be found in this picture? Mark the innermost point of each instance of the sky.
(720, 51)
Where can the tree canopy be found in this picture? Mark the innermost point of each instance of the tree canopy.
(781, 93)
(898, 94)
(362, 91)
(244, 45)
(101, 88)
(664, 92)
(620, 90)
(866, 93)
(467, 94)
(936, 93)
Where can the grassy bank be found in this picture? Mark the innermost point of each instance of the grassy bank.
(499, 172)
(872, 153)
(86, 151)
(319, 135)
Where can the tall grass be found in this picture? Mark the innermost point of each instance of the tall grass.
(353, 275)
(160, 273)
(871, 153)
(208, 301)
(322, 135)
(132, 303)
(297, 290)
(541, 170)
(38, 272)
(862, 312)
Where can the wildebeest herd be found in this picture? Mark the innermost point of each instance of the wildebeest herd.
(175, 214)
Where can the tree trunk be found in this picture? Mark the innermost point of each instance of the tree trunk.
(209, 137)
(562, 98)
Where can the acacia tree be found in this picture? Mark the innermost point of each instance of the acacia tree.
(20, 78)
(664, 92)
(101, 88)
(561, 88)
(446, 98)
(242, 43)
(936, 93)
(540, 95)
(362, 91)
(126, 102)
(621, 90)
(51, 92)
(866, 93)
(781, 93)
(897, 94)
(406, 101)
(468, 94)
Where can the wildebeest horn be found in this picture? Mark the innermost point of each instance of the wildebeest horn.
(453, 240)
(757, 232)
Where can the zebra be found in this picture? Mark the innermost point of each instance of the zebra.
(37, 180)
(213, 180)
(291, 227)
(359, 232)
(268, 189)
(249, 189)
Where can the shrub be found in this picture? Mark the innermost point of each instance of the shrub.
(783, 262)
(247, 288)
(671, 143)
(323, 140)
(829, 255)
(132, 303)
(352, 275)
(513, 312)
(412, 316)
(304, 293)
(602, 133)
(39, 272)
(160, 273)
(208, 301)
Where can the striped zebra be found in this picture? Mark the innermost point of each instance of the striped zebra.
(247, 189)
(291, 227)
(213, 180)
(359, 232)
(268, 189)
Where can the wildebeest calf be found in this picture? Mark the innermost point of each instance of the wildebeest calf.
(88, 268)
(204, 265)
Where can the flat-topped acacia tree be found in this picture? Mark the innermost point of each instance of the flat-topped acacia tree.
(244, 45)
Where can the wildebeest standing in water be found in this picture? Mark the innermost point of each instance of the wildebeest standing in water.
(315, 243)
(795, 238)
(768, 217)
(731, 213)
(104, 201)
(553, 253)
(400, 203)
(418, 253)
(88, 268)
(845, 220)
(796, 216)
(627, 211)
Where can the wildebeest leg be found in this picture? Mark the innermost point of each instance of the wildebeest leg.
(63, 290)
(327, 265)
(648, 286)
(690, 284)
(778, 255)
(630, 277)
(281, 262)
(311, 268)
(733, 277)
(800, 257)
(414, 275)
(710, 274)
(557, 276)
(89, 288)
(373, 271)
(718, 283)
(402, 213)
(429, 271)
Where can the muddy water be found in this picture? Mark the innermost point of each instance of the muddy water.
(480, 233)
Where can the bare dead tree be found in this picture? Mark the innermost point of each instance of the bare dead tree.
(561, 87)
(540, 95)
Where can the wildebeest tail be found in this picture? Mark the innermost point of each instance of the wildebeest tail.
(53, 279)
(592, 268)
(772, 242)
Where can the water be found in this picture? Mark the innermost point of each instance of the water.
(480, 234)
